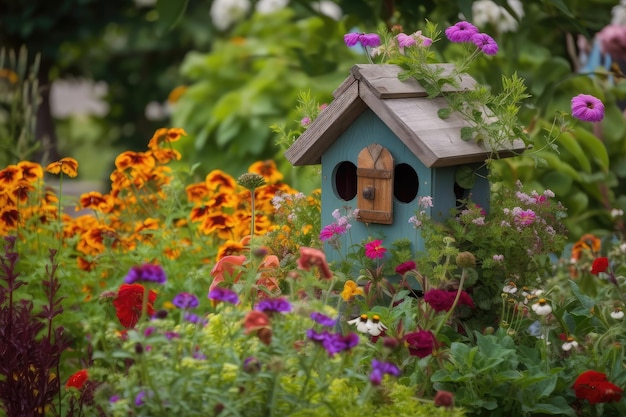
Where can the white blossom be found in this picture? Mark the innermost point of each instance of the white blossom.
(486, 12)
(569, 344)
(542, 308)
(270, 6)
(224, 13)
(617, 314)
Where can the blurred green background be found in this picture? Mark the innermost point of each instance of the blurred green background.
(227, 70)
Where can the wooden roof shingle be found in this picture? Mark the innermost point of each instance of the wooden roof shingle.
(405, 108)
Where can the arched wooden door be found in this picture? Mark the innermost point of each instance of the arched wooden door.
(375, 185)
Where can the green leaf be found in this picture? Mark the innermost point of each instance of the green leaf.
(444, 113)
(467, 133)
(171, 11)
(464, 177)
(586, 301)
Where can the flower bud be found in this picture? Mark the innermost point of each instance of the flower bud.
(466, 260)
(444, 399)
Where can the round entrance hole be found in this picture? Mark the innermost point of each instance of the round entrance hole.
(405, 183)
(345, 180)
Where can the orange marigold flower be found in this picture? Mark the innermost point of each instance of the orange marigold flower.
(587, 243)
(197, 192)
(67, 166)
(267, 169)
(31, 171)
(20, 191)
(141, 161)
(96, 201)
(176, 94)
(84, 264)
(230, 247)
(220, 200)
(78, 379)
(199, 213)
(218, 179)
(9, 218)
(350, 290)
(220, 223)
(9, 176)
(163, 156)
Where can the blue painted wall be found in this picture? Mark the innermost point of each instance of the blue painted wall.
(437, 182)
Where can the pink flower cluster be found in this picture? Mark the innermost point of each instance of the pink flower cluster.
(466, 32)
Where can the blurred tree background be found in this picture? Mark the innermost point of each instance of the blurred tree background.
(227, 70)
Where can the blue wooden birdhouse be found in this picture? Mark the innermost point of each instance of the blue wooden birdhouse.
(382, 145)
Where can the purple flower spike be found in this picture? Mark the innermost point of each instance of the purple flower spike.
(146, 272)
(587, 108)
(323, 319)
(485, 43)
(461, 32)
(185, 300)
(279, 305)
(223, 294)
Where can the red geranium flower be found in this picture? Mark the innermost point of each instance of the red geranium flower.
(599, 265)
(129, 302)
(594, 387)
(78, 379)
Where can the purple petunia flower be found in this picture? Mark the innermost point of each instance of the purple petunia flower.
(333, 342)
(486, 43)
(365, 39)
(139, 398)
(379, 369)
(146, 272)
(323, 319)
(461, 32)
(223, 294)
(279, 305)
(587, 108)
(114, 398)
(194, 318)
(185, 300)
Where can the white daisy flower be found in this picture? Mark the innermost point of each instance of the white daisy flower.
(510, 288)
(541, 307)
(361, 323)
(617, 313)
(569, 344)
(374, 326)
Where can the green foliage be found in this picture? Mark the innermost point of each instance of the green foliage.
(250, 81)
(19, 99)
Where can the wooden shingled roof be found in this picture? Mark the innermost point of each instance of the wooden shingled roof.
(405, 108)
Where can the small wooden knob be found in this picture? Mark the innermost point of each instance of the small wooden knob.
(368, 193)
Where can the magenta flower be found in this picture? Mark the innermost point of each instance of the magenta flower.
(332, 231)
(524, 217)
(405, 267)
(365, 39)
(420, 343)
(405, 40)
(461, 32)
(485, 43)
(374, 249)
(442, 300)
(587, 108)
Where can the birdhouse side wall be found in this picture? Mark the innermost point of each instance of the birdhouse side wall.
(411, 180)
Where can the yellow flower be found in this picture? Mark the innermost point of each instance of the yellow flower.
(69, 166)
(351, 289)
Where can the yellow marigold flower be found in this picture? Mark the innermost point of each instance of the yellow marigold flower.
(20, 191)
(31, 171)
(95, 201)
(267, 169)
(351, 289)
(9, 218)
(9, 75)
(217, 223)
(9, 176)
(164, 135)
(230, 247)
(587, 243)
(68, 166)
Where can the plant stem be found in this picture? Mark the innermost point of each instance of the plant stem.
(456, 300)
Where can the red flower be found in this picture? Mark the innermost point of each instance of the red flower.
(442, 300)
(78, 379)
(420, 343)
(599, 265)
(405, 267)
(129, 302)
(310, 257)
(594, 387)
